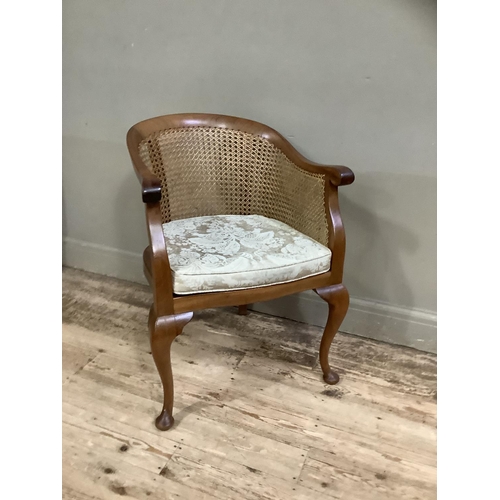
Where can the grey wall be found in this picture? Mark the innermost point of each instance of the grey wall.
(350, 82)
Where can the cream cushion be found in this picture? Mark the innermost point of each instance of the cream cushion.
(233, 252)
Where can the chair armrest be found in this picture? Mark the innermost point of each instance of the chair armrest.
(151, 185)
(338, 175)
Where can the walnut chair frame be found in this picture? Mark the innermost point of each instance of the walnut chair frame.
(170, 312)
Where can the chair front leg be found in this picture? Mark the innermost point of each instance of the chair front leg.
(163, 331)
(338, 303)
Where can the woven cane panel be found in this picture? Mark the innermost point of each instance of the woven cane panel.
(216, 171)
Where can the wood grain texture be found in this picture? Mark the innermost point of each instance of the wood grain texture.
(253, 420)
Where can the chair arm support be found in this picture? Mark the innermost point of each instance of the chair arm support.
(336, 232)
(160, 265)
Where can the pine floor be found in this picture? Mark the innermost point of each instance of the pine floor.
(254, 419)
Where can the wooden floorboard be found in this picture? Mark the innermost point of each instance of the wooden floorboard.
(253, 416)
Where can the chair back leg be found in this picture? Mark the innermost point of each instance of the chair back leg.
(242, 310)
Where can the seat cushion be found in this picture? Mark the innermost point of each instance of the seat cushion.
(233, 252)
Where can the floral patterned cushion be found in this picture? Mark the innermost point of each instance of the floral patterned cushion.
(233, 252)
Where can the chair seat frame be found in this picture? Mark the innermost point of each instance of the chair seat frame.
(169, 312)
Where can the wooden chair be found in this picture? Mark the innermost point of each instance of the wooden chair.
(235, 215)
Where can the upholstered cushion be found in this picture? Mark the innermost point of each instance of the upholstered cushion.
(233, 252)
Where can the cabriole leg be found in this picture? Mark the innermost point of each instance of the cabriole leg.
(163, 331)
(338, 302)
